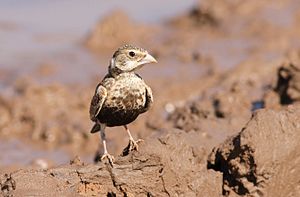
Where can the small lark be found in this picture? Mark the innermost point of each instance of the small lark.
(122, 95)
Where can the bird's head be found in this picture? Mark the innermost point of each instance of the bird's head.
(128, 59)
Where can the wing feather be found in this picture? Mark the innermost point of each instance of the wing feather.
(149, 99)
(97, 102)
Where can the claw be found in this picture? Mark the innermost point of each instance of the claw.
(134, 144)
(109, 157)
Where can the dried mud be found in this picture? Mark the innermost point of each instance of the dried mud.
(225, 120)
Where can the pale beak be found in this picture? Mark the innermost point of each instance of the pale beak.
(147, 59)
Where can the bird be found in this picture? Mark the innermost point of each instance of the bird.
(122, 95)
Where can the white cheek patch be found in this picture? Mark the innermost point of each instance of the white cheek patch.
(130, 65)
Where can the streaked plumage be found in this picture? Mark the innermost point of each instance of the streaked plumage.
(122, 95)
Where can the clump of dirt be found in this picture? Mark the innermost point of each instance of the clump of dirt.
(214, 117)
(288, 84)
(189, 116)
(252, 161)
(232, 104)
(115, 30)
(286, 89)
(7, 185)
(49, 113)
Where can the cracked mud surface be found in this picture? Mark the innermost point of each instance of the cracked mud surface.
(225, 120)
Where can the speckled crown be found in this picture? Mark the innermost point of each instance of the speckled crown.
(127, 47)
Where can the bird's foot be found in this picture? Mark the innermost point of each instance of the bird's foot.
(109, 157)
(133, 145)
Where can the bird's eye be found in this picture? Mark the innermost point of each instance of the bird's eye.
(131, 54)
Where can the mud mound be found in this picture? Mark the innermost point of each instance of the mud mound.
(226, 9)
(262, 156)
(115, 30)
(197, 17)
(169, 166)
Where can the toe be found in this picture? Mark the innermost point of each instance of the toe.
(139, 140)
(109, 157)
(134, 144)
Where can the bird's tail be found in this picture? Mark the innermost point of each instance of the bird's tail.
(96, 128)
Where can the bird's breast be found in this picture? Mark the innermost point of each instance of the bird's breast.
(127, 94)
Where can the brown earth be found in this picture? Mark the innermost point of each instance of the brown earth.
(225, 119)
(254, 162)
(262, 157)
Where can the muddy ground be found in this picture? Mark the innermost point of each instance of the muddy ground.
(225, 120)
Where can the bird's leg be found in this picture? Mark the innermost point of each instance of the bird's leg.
(105, 154)
(133, 144)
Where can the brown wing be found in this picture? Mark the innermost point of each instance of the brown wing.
(149, 99)
(97, 101)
